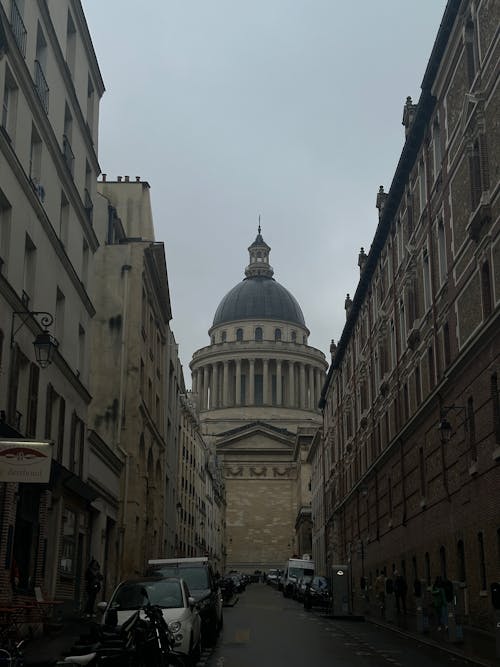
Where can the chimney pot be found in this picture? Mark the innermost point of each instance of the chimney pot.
(137, 179)
(119, 179)
(127, 179)
(104, 178)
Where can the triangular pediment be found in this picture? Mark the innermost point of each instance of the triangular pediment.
(257, 436)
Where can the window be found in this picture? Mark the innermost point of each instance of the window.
(402, 324)
(422, 189)
(470, 51)
(482, 561)
(81, 349)
(258, 334)
(32, 400)
(427, 279)
(40, 64)
(35, 168)
(9, 104)
(29, 271)
(5, 226)
(70, 44)
(460, 561)
(495, 407)
(441, 239)
(85, 263)
(294, 336)
(476, 187)
(486, 290)
(67, 563)
(437, 155)
(239, 335)
(277, 334)
(68, 154)
(90, 104)
(60, 315)
(64, 220)
(223, 336)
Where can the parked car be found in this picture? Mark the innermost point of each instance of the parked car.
(301, 587)
(204, 587)
(178, 608)
(272, 577)
(318, 593)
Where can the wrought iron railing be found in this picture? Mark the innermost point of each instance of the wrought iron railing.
(18, 27)
(41, 86)
(68, 154)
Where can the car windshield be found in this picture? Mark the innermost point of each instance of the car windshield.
(300, 572)
(130, 595)
(195, 577)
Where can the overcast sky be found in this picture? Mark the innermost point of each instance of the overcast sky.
(290, 109)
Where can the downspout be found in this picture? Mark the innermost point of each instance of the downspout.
(121, 397)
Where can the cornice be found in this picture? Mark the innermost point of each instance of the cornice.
(104, 452)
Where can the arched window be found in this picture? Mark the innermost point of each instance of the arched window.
(239, 334)
(277, 334)
(294, 336)
(258, 334)
(223, 337)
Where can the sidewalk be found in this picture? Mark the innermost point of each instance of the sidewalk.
(43, 651)
(477, 646)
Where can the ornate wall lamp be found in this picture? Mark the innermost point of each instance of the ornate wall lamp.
(444, 426)
(45, 344)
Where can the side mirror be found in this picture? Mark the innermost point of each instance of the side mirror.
(101, 606)
(191, 602)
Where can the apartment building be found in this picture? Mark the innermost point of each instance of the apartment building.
(410, 441)
(50, 88)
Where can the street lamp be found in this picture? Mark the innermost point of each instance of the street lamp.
(45, 344)
(444, 426)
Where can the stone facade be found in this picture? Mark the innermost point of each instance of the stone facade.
(257, 385)
(420, 348)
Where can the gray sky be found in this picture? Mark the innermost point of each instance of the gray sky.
(286, 108)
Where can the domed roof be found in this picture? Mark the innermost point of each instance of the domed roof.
(259, 296)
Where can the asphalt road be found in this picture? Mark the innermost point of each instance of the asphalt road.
(264, 629)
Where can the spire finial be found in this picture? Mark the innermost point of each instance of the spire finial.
(259, 224)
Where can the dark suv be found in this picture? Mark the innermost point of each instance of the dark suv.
(203, 586)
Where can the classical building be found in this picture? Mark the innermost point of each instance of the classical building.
(50, 87)
(409, 458)
(136, 375)
(257, 385)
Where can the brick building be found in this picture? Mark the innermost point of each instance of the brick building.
(410, 445)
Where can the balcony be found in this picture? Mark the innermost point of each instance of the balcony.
(89, 206)
(69, 156)
(41, 86)
(18, 28)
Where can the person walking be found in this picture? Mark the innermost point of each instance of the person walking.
(379, 589)
(439, 603)
(400, 590)
(93, 579)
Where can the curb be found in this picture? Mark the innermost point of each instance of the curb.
(430, 642)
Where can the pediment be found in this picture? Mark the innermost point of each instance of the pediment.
(256, 437)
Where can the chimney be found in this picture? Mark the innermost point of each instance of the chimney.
(362, 260)
(127, 179)
(137, 179)
(119, 179)
(408, 114)
(104, 178)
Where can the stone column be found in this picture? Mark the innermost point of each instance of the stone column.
(251, 382)
(311, 388)
(204, 399)
(265, 381)
(318, 387)
(302, 386)
(225, 385)
(279, 397)
(194, 376)
(291, 384)
(238, 382)
(214, 401)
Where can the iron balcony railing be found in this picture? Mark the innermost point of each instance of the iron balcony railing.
(69, 156)
(18, 27)
(89, 206)
(41, 86)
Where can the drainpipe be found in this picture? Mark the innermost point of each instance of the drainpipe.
(126, 268)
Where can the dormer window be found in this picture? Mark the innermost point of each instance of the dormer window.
(239, 335)
(277, 334)
(258, 334)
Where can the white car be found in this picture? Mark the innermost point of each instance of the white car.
(178, 606)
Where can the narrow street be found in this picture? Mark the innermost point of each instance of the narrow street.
(264, 628)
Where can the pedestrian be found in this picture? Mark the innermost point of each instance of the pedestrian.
(400, 590)
(439, 603)
(379, 588)
(93, 579)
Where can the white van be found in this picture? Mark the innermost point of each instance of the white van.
(295, 569)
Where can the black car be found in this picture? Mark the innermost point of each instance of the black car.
(203, 586)
(318, 593)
